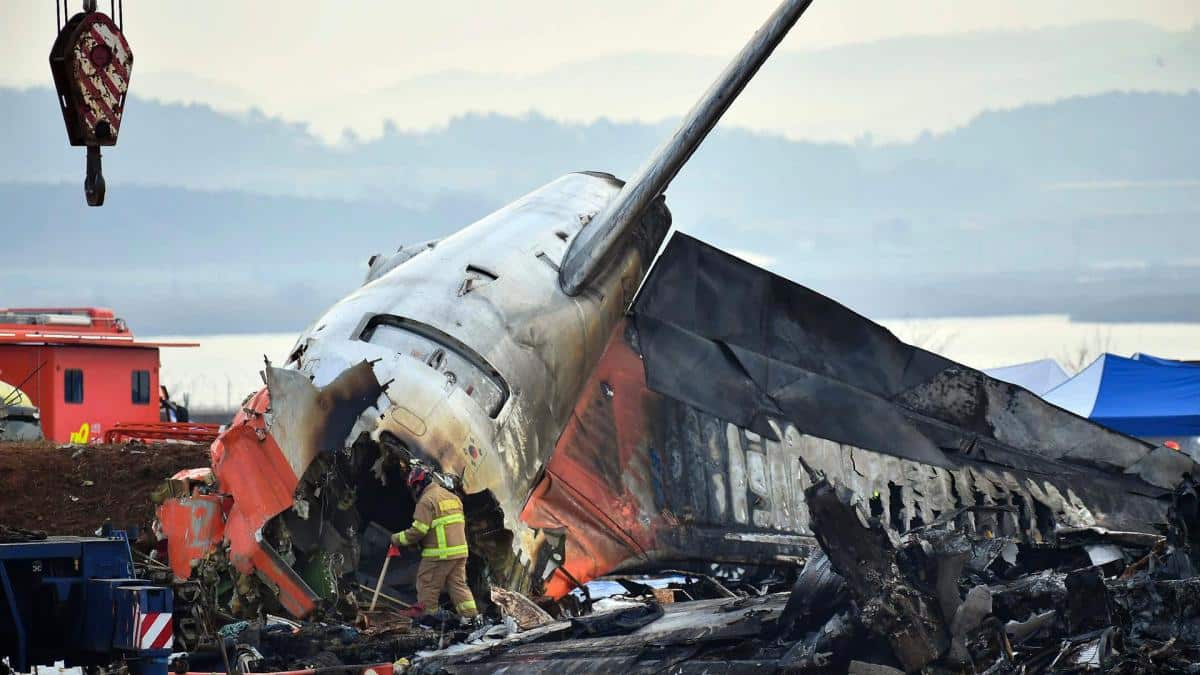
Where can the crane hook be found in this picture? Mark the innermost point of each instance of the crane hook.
(93, 183)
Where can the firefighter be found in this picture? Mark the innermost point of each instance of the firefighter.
(440, 528)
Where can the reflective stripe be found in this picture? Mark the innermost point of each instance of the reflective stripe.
(439, 526)
(401, 540)
(420, 527)
(444, 552)
(468, 604)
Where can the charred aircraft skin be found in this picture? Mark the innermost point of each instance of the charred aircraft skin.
(485, 356)
(727, 384)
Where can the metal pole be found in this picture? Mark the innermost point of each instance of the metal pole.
(379, 584)
(591, 248)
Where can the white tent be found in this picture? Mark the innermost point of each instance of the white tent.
(1038, 377)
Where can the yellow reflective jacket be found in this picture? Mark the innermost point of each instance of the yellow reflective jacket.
(438, 525)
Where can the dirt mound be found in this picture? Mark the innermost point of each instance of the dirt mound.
(72, 490)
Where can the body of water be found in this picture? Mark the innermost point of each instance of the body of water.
(225, 368)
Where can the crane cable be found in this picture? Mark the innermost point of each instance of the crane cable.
(116, 11)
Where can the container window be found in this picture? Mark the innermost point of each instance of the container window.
(73, 385)
(141, 387)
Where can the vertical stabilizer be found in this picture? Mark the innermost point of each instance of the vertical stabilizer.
(591, 248)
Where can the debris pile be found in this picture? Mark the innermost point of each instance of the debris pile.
(935, 597)
(275, 644)
(74, 489)
(642, 624)
(965, 592)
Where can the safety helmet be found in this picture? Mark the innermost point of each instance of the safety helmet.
(417, 477)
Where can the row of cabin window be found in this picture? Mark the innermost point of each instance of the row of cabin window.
(73, 386)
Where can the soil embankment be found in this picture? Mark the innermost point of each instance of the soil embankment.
(74, 489)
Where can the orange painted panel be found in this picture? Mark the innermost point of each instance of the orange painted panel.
(196, 525)
(594, 484)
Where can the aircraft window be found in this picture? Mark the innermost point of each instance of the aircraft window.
(460, 365)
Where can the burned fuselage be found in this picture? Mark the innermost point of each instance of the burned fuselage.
(480, 344)
(697, 425)
(482, 355)
(465, 356)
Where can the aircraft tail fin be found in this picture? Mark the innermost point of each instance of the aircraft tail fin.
(591, 248)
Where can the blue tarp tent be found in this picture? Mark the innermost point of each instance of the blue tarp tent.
(1140, 356)
(1136, 397)
(1038, 377)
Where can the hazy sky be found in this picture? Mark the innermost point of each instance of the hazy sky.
(293, 57)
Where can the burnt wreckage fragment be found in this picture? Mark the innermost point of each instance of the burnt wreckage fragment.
(939, 597)
(914, 434)
(934, 599)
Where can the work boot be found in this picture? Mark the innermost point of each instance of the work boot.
(438, 619)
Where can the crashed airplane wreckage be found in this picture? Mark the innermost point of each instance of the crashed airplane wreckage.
(597, 418)
(685, 447)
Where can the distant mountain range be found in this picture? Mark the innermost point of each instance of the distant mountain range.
(892, 88)
(220, 222)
